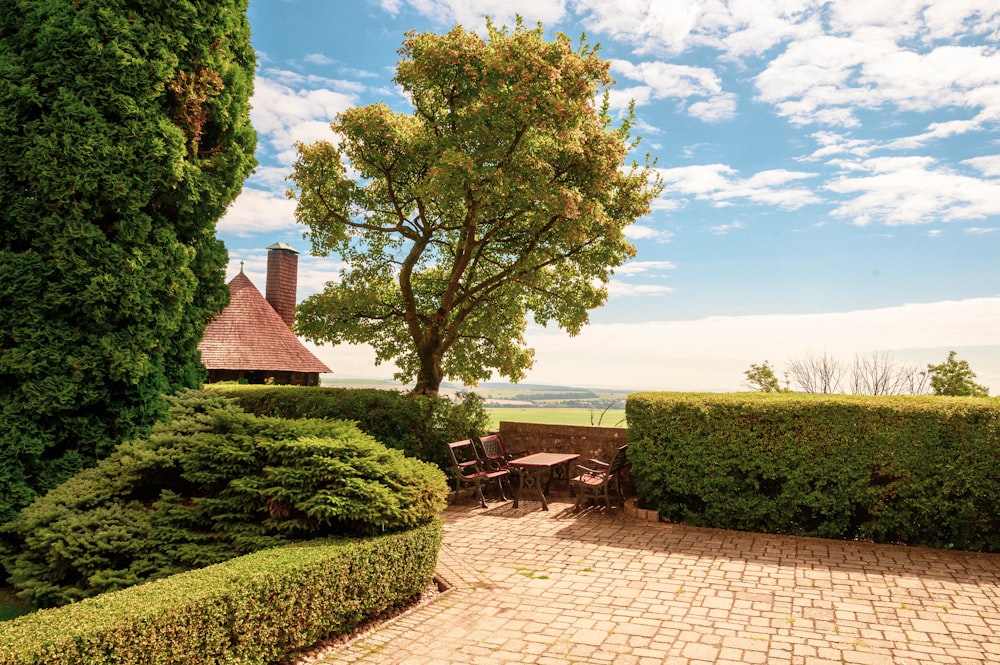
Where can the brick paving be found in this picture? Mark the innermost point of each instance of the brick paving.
(601, 586)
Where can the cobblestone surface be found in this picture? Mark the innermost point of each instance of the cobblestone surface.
(560, 587)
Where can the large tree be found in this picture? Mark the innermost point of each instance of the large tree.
(955, 377)
(124, 134)
(503, 192)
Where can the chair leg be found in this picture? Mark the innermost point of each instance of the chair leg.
(479, 491)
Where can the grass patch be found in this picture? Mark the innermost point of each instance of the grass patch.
(561, 416)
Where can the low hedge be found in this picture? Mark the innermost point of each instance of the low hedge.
(253, 609)
(914, 470)
(417, 425)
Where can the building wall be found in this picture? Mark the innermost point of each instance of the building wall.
(264, 377)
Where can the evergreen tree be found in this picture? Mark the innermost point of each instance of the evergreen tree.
(124, 134)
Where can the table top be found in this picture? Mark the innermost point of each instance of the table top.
(544, 459)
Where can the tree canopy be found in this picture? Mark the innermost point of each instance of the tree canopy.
(955, 377)
(762, 378)
(503, 192)
(124, 134)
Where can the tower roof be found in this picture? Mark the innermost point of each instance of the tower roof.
(249, 335)
(282, 245)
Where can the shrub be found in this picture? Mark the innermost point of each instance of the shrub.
(252, 609)
(915, 470)
(418, 425)
(212, 483)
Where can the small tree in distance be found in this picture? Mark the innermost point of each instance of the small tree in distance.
(878, 373)
(504, 192)
(817, 374)
(955, 377)
(762, 379)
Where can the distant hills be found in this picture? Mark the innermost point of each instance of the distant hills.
(497, 394)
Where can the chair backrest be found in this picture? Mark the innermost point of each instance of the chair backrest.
(463, 454)
(620, 460)
(492, 447)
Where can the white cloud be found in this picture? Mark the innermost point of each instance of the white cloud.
(641, 267)
(663, 81)
(716, 109)
(718, 183)
(318, 59)
(257, 211)
(273, 178)
(617, 289)
(736, 27)
(712, 353)
(837, 57)
(833, 143)
(391, 6)
(641, 232)
(471, 13)
(988, 165)
(912, 190)
(724, 229)
(980, 230)
(827, 78)
(284, 115)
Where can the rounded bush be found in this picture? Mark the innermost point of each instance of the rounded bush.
(210, 484)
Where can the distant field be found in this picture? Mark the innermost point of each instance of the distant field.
(612, 418)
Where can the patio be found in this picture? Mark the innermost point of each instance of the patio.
(557, 587)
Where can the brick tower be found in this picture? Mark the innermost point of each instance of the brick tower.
(282, 280)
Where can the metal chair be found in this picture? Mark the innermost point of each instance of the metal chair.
(495, 454)
(598, 482)
(470, 471)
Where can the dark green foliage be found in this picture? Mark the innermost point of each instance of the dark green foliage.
(212, 483)
(915, 470)
(251, 610)
(419, 425)
(124, 134)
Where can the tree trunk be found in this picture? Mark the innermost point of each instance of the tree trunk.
(429, 377)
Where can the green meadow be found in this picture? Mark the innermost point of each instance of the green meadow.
(557, 416)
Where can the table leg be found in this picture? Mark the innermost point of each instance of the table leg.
(531, 480)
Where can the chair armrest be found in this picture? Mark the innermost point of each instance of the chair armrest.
(589, 471)
(597, 461)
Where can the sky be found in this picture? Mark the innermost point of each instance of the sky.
(831, 176)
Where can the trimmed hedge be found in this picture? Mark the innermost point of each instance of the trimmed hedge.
(254, 609)
(417, 425)
(913, 470)
(210, 484)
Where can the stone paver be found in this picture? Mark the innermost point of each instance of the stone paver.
(560, 587)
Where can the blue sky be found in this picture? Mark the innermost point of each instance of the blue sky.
(831, 172)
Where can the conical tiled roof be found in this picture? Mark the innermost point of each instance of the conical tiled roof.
(249, 335)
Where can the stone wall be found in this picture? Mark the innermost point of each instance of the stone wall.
(588, 441)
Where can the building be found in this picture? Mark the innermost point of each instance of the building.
(252, 338)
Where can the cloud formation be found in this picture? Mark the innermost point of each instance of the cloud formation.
(719, 184)
(712, 353)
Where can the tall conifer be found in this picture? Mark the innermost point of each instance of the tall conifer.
(124, 134)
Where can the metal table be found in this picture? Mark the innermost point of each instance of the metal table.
(536, 473)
